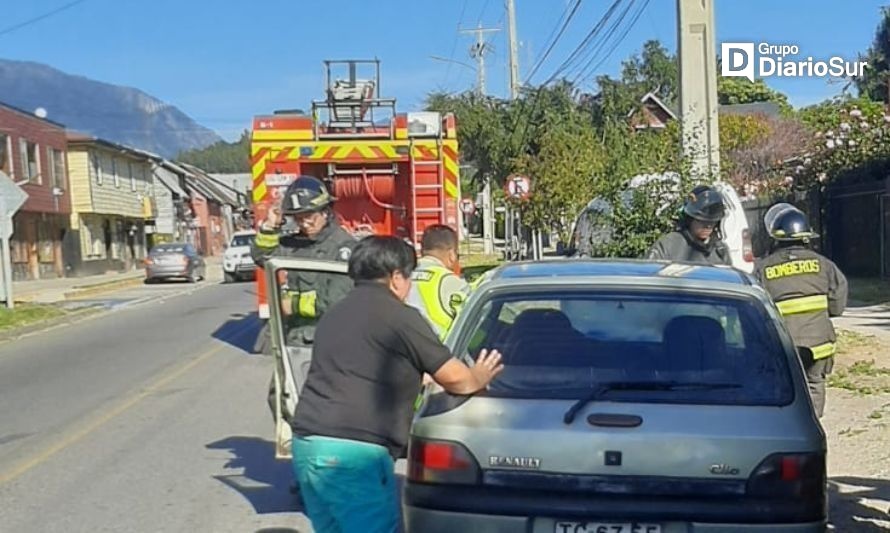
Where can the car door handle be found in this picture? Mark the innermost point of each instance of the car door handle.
(614, 421)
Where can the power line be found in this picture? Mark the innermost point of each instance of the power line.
(38, 18)
(595, 52)
(572, 57)
(581, 49)
(460, 21)
(630, 26)
(482, 12)
(555, 40)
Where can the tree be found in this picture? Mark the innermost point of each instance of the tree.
(654, 70)
(874, 81)
(851, 141)
(738, 90)
(222, 157)
(760, 155)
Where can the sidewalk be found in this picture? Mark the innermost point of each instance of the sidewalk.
(869, 319)
(60, 289)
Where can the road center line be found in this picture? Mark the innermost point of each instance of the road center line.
(26, 465)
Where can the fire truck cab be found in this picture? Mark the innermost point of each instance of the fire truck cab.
(392, 173)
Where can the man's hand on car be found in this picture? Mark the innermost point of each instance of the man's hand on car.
(488, 366)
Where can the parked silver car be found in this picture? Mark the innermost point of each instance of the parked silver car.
(636, 397)
(174, 260)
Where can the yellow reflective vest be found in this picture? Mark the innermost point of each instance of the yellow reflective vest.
(437, 293)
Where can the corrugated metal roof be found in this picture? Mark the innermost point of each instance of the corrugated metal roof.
(770, 109)
(169, 179)
(241, 182)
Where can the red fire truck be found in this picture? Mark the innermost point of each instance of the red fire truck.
(392, 173)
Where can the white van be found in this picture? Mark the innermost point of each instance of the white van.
(592, 226)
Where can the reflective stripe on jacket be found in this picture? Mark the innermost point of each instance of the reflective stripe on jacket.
(808, 289)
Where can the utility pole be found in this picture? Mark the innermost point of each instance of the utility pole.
(536, 237)
(477, 52)
(514, 50)
(698, 85)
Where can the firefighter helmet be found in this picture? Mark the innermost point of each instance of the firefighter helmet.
(706, 204)
(305, 195)
(791, 225)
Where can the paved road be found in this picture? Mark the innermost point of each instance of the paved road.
(149, 418)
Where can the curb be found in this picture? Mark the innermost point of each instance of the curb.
(43, 325)
(108, 286)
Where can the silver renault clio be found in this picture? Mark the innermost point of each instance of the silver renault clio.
(637, 397)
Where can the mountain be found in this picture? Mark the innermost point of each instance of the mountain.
(120, 114)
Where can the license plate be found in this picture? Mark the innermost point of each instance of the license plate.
(601, 527)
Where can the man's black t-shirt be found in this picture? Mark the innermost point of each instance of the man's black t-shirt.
(370, 353)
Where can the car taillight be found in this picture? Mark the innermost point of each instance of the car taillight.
(791, 475)
(747, 249)
(441, 462)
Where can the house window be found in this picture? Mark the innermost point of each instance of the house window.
(95, 168)
(93, 238)
(6, 154)
(56, 159)
(132, 176)
(117, 178)
(146, 183)
(30, 161)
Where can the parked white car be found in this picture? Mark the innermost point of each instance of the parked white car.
(237, 261)
(592, 226)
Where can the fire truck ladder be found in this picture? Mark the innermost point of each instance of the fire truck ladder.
(439, 186)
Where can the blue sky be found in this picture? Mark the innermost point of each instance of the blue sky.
(223, 61)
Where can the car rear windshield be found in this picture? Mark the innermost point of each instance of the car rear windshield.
(563, 345)
(242, 240)
(168, 249)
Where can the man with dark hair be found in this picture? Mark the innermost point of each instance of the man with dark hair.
(355, 410)
(437, 292)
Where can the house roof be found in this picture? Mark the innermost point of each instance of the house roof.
(169, 179)
(209, 188)
(770, 109)
(241, 182)
(76, 139)
(651, 97)
(30, 115)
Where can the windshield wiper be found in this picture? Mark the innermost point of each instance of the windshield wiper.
(602, 388)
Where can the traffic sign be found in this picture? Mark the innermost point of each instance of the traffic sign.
(13, 195)
(519, 187)
(467, 206)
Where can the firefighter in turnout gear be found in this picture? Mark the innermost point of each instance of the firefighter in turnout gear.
(436, 291)
(808, 289)
(697, 238)
(306, 295)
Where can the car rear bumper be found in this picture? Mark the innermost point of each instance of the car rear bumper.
(239, 269)
(537, 511)
(436, 521)
(167, 272)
